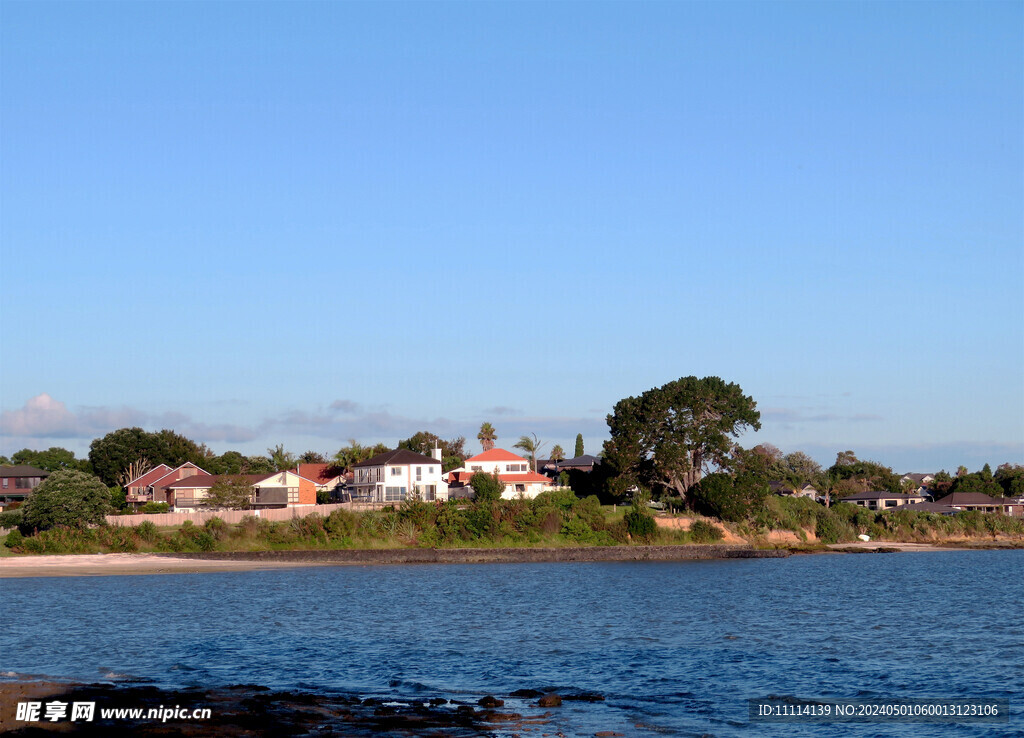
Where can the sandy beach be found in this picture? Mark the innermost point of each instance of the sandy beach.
(92, 565)
(120, 564)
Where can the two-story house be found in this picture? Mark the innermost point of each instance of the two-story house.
(514, 472)
(394, 476)
(18, 481)
(153, 486)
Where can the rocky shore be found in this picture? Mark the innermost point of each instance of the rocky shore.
(249, 710)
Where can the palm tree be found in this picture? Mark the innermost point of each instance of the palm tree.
(281, 459)
(532, 446)
(557, 454)
(487, 436)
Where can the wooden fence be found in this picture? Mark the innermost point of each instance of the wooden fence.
(229, 516)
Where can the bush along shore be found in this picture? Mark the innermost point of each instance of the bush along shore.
(553, 520)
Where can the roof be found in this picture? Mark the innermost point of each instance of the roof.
(972, 498)
(495, 454)
(22, 470)
(880, 495)
(202, 481)
(398, 457)
(919, 478)
(151, 476)
(167, 474)
(316, 472)
(520, 478)
(933, 507)
(584, 460)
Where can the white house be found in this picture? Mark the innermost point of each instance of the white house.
(395, 475)
(514, 471)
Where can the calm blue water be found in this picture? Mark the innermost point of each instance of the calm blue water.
(677, 648)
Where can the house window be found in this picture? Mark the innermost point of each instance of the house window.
(6, 480)
(520, 488)
(394, 494)
(891, 503)
(476, 468)
(380, 473)
(293, 495)
(396, 471)
(430, 492)
(419, 473)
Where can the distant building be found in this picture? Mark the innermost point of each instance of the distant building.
(17, 482)
(394, 476)
(153, 486)
(514, 472)
(277, 489)
(881, 500)
(584, 463)
(983, 503)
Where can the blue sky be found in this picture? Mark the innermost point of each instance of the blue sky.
(301, 223)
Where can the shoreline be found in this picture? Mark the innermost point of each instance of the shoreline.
(115, 564)
(121, 564)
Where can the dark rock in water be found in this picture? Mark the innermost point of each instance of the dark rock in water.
(465, 710)
(501, 717)
(527, 693)
(435, 701)
(549, 700)
(584, 697)
(606, 734)
(490, 701)
(371, 701)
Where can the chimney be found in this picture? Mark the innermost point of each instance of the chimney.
(437, 453)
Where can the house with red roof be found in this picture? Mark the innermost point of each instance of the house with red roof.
(513, 470)
(153, 485)
(325, 476)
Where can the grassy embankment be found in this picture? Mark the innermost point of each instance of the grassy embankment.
(813, 525)
(556, 519)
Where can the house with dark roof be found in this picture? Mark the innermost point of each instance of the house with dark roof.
(983, 503)
(514, 471)
(18, 481)
(584, 463)
(882, 500)
(395, 476)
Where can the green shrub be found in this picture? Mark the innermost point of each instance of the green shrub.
(832, 528)
(341, 524)
(578, 530)
(217, 528)
(486, 487)
(309, 526)
(155, 507)
(701, 531)
(14, 539)
(33, 546)
(147, 531)
(640, 524)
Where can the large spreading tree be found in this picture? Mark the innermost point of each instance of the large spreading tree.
(67, 498)
(669, 436)
(111, 455)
